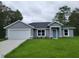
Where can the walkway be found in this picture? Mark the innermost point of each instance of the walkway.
(8, 45)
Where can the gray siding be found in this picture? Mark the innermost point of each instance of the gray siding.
(47, 33)
(71, 33)
(34, 33)
(19, 25)
(31, 32)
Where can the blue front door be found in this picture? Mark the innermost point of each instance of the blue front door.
(54, 33)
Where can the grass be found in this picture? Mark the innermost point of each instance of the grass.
(47, 48)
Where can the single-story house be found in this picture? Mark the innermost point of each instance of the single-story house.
(20, 30)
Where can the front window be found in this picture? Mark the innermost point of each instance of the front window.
(66, 32)
(41, 32)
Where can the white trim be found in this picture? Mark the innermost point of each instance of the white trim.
(45, 33)
(20, 29)
(41, 28)
(50, 32)
(60, 32)
(41, 34)
(64, 33)
(56, 34)
(55, 26)
(69, 28)
(55, 22)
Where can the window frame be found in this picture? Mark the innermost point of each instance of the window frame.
(41, 33)
(66, 32)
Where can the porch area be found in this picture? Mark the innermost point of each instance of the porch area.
(55, 32)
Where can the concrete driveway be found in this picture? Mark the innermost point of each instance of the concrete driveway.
(8, 45)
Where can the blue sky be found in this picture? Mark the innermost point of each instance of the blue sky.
(39, 11)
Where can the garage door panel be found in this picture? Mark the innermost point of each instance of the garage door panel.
(19, 34)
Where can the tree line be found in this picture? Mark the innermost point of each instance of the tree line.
(68, 17)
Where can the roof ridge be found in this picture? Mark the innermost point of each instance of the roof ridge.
(40, 22)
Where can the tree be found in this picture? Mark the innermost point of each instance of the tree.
(7, 16)
(71, 17)
(63, 14)
(74, 20)
(15, 16)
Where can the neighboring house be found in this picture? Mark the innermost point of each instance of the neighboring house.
(19, 30)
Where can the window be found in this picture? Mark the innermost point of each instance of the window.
(66, 32)
(41, 32)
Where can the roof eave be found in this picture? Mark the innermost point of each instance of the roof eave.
(15, 23)
(70, 27)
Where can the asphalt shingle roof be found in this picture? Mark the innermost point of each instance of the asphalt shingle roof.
(40, 24)
(45, 24)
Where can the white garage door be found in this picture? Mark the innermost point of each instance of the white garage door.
(19, 34)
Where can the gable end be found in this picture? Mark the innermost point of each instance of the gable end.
(18, 24)
(55, 24)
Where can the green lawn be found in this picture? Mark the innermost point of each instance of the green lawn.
(39, 48)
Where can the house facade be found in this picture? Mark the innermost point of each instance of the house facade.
(20, 30)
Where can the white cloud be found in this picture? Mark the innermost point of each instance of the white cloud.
(38, 11)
